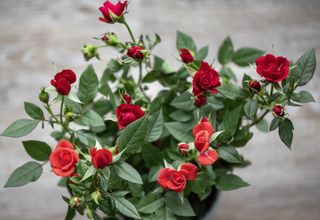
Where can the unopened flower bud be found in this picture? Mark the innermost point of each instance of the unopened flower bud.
(204, 119)
(90, 51)
(186, 56)
(254, 85)
(44, 96)
(126, 98)
(200, 101)
(70, 116)
(110, 39)
(75, 202)
(278, 111)
(136, 52)
(183, 148)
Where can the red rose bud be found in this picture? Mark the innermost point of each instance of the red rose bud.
(208, 157)
(105, 38)
(204, 119)
(183, 148)
(128, 113)
(63, 159)
(202, 141)
(204, 125)
(135, 52)
(100, 158)
(254, 85)
(205, 79)
(186, 56)
(172, 179)
(272, 68)
(189, 170)
(62, 81)
(278, 111)
(112, 12)
(126, 98)
(200, 101)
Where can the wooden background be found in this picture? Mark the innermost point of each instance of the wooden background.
(34, 34)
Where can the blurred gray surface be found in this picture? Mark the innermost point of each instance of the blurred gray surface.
(34, 34)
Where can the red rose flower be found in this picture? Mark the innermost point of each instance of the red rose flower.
(186, 56)
(203, 125)
(100, 158)
(254, 85)
(206, 79)
(112, 13)
(202, 141)
(200, 101)
(172, 179)
(208, 157)
(273, 69)
(128, 113)
(189, 170)
(278, 111)
(63, 159)
(183, 147)
(135, 52)
(62, 81)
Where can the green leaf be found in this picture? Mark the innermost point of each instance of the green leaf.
(245, 56)
(133, 136)
(33, 111)
(88, 85)
(20, 128)
(86, 137)
(73, 97)
(151, 155)
(89, 173)
(185, 41)
(274, 123)
(155, 126)
(71, 213)
(150, 203)
(29, 172)
(262, 125)
(106, 91)
(178, 131)
(215, 136)
(178, 207)
(302, 97)
(183, 102)
(38, 150)
(251, 108)
(305, 67)
(92, 119)
(229, 182)
(202, 53)
(231, 91)
(229, 154)
(126, 208)
(228, 73)
(286, 132)
(181, 116)
(225, 51)
(127, 172)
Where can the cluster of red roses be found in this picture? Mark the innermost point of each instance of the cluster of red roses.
(64, 158)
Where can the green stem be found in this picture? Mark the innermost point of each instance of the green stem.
(140, 80)
(130, 32)
(51, 113)
(61, 108)
(258, 119)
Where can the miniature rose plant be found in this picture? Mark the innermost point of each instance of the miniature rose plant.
(126, 151)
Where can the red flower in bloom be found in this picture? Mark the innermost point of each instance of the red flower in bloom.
(189, 170)
(206, 79)
(172, 179)
(202, 140)
(273, 69)
(135, 52)
(278, 110)
(208, 157)
(111, 13)
(128, 113)
(62, 81)
(200, 100)
(203, 125)
(186, 56)
(100, 158)
(63, 159)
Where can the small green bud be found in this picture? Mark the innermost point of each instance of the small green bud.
(110, 39)
(90, 51)
(96, 197)
(70, 116)
(44, 96)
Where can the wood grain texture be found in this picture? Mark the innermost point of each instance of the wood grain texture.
(34, 34)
